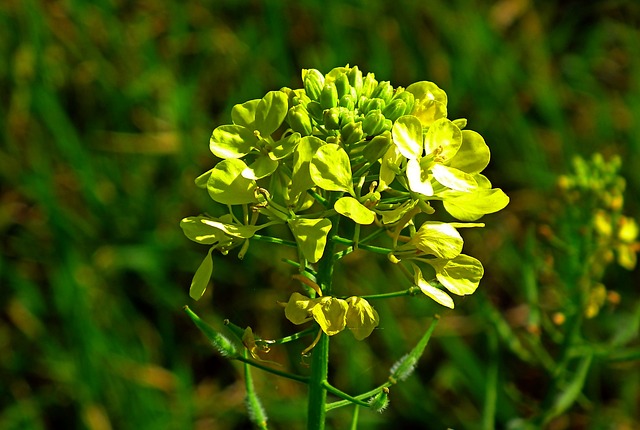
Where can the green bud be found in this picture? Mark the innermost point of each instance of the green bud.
(347, 101)
(372, 104)
(404, 367)
(368, 85)
(373, 123)
(377, 147)
(383, 91)
(388, 124)
(313, 83)
(225, 347)
(460, 123)
(315, 110)
(395, 109)
(406, 97)
(380, 401)
(331, 118)
(351, 133)
(346, 116)
(342, 85)
(299, 120)
(355, 79)
(329, 96)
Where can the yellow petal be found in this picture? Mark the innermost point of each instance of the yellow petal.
(362, 318)
(330, 313)
(298, 308)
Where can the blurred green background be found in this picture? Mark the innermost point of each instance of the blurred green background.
(107, 108)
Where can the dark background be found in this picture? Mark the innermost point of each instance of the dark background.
(106, 112)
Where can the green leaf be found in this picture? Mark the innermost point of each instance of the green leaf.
(473, 155)
(437, 238)
(460, 275)
(270, 112)
(419, 176)
(431, 291)
(232, 141)
(330, 314)
(407, 135)
(330, 169)
(262, 167)
(472, 206)
(201, 278)
(443, 139)
(361, 317)
(311, 236)
(453, 178)
(245, 114)
(301, 180)
(352, 208)
(226, 184)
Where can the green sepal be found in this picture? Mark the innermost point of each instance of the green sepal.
(311, 236)
(225, 347)
(226, 184)
(352, 208)
(202, 277)
(271, 112)
(394, 215)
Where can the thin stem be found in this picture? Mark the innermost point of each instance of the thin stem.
(274, 240)
(299, 378)
(371, 248)
(412, 291)
(319, 198)
(337, 392)
(362, 396)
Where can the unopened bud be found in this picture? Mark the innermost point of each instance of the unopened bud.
(380, 401)
(377, 147)
(368, 85)
(342, 85)
(347, 101)
(351, 133)
(395, 109)
(355, 79)
(373, 123)
(331, 118)
(329, 96)
(315, 110)
(383, 91)
(313, 83)
(299, 120)
(372, 104)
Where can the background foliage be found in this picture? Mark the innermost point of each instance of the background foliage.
(106, 114)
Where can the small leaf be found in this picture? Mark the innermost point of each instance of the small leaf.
(407, 135)
(472, 206)
(330, 314)
(473, 155)
(361, 317)
(330, 169)
(460, 275)
(351, 208)
(270, 112)
(245, 114)
(226, 184)
(453, 178)
(437, 238)
(443, 139)
(232, 141)
(262, 167)
(311, 236)
(201, 278)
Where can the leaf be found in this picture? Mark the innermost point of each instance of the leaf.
(298, 309)
(245, 114)
(301, 178)
(460, 275)
(407, 135)
(361, 317)
(419, 177)
(437, 238)
(330, 314)
(453, 178)
(226, 184)
(472, 206)
(473, 155)
(311, 236)
(352, 208)
(436, 294)
(443, 139)
(270, 112)
(330, 169)
(262, 167)
(202, 276)
(232, 141)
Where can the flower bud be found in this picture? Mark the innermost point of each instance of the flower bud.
(380, 401)
(384, 91)
(368, 85)
(376, 148)
(331, 118)
(406, 97)
(313, 83)
(346, 116)
(373, 123)
(347, 101)
(355, 79)
(315, 110)
(351, 133)
(299, 120)
(395, 109)
(372, 104)
(329, 96)
(342, 85)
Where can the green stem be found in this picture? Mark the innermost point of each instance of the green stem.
(337, 392)
(274, 240)
(320, 355)
(259, 365)
(371, 248)
(362, 396)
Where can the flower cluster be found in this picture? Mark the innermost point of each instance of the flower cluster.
(348, 145)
